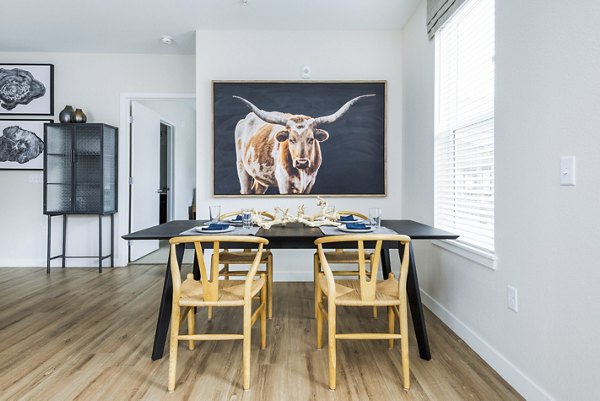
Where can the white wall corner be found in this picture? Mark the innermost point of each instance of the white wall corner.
(505, 368)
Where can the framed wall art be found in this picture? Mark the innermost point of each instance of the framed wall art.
(26, 89)
(22, 145)
(295, 138)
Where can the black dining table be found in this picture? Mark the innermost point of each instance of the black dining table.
(298, 236)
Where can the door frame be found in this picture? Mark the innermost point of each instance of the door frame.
(122, 218)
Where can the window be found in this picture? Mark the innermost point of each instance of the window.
(464, 129)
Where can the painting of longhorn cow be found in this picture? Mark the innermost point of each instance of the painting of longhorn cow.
(299, 138)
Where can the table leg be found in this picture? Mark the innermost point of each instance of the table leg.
(386, 264)
(196, 267)
(164, 313)
(416, 308)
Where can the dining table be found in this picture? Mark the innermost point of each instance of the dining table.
(298, 236)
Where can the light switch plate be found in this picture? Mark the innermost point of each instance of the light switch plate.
(512, 299)
(567, 170)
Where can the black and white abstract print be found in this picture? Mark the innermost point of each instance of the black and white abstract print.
(26, 89)
(21, 144)
(18, 86)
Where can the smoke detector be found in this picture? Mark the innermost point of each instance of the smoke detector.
(166, 40)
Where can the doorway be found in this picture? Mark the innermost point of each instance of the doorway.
(161, 165)
(166, 184)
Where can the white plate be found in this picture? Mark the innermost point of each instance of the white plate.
(203, 229)
(355, 230)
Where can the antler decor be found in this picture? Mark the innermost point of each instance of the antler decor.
(327, 216)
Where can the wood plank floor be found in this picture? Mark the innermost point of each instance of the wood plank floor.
(79, 335)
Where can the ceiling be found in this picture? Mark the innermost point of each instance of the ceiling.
(135, 26)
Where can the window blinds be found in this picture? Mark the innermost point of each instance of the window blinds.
(464, 135)
(438, 12)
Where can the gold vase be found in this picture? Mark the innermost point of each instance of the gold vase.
(79, 116)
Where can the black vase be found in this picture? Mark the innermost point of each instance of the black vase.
(79, 116)
(66, 114)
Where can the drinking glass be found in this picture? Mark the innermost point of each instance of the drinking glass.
(375, 217)
(247, 218)
(214, 212)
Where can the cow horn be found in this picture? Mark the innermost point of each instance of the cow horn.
(332, 117)
(266, 116)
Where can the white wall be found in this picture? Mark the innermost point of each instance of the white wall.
(182, 114)
(279, 55)
(92, 82)
(547, 106)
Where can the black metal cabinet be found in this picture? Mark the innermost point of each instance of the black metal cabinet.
(80, 169)
(80, 176)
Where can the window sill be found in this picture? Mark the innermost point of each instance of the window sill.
(478, 256)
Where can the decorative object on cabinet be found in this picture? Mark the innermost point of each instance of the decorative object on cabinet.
(80, 177)
(26, 89)
(79, 116)
(21, 144)
(331, 143)
(66, 114)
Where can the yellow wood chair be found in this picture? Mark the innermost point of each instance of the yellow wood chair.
(363, 292)
(212, 292)
(341, 256)
(246, 257)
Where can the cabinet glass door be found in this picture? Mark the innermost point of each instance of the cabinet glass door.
(110, 173)
(88, 169)
(59, 171)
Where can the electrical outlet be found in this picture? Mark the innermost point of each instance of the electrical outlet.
(512, 298)
(305, 72)
(36, 178)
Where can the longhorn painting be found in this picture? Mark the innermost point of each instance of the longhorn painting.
(299, 138)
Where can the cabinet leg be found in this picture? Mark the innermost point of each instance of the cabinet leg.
(48, 246)
(99, 243)
(112, 240)
(64, 240)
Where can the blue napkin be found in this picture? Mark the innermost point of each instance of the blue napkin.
(347, 218)
(216, 226)
(357, 226)
(237, 218)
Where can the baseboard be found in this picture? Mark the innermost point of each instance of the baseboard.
(509, 372)
(22, 262)
(55, 263)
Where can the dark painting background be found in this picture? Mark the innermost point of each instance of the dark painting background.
(353, 156)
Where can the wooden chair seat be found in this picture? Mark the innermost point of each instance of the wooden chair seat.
(343, 256)
(212, 292)
(231, 292)
(242, 257)
(229, 258)
(347, 292)
(366, 290)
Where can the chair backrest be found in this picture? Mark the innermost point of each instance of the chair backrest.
(353, 213)
(237, 212)
(210, 276)
(367, 282)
